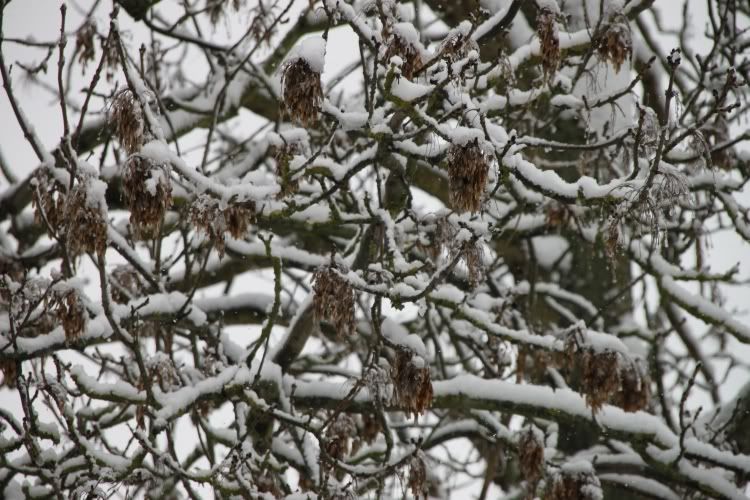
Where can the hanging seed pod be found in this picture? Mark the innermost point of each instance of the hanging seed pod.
(418, 476)
(48, 200)
(282, 155)
(85, 49)
(300, 79)
(635, 387)
(84, 217)
(473, 256)
(148, 191)
(468, 169)
(68, 308)
(125, 283)
(9, 370)
(608, 377)
(458, 43)
(616, 44)
(549, 41)
(217, 9)
(575, 481)
(600, 377)
(402, 42)
(208, 216)
(531, 455)
(412, 384)
(127, 116)
(238, 217)
(338, 436)
(334, 300)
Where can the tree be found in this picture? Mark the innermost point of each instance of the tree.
(476, 256)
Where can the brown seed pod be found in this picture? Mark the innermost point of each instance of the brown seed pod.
(473, 256)
(9, 370)
(608, 377)
(282, 156)
(549, 41)
(208, 216)
(334, 300)
(531, 456)
(303, 93)
(458, 43)
(370, 428)
(616, 44)
(220, 8)
(600, 378)
(48, 200)
(238, 217)
(468, 169)
(148, 191)
(85, 49)
(338, 436)
(86, 228)
(635, 390)
(412, 384)
(67, 306)
(401, 38)
(125, 284)
(574, 482)
(418, 476)
(127, 116)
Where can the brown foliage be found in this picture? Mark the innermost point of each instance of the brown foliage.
(468, 168)
(409, 54)
(418, 476)
(67, 306)
(334, 300)
(85, 49)
(148, 191)
(615, 44)
(208, 216)
(303, 93)
(573, 485)
(546, 29)
(531, 456)
(412, 384)
(127, 116)
(86, 229)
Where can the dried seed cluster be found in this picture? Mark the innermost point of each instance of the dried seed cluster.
(219, 8)
(549, 41)
(468, 168)
(127, 116)
(606, 377)
(125, 284)
(206, 214)
(409, 54)
(85, 49)
(339, 435)
(303, 93)
(473, 256)
(148, 191)
(86, 229)
(334, 300)
(282, 156)
(49, 200)
(457, 45)
(9, 370)
(531, 456)
(634, 393)
(412, 384)
(616, 44)
(418, 476)
(574, 485)
(67, 306)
